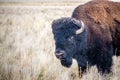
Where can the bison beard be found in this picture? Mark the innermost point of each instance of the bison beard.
(91, 35)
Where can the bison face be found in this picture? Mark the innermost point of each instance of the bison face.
(65, 48)
(65, 32)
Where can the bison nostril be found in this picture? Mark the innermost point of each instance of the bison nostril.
(57, 51)
(58, 54)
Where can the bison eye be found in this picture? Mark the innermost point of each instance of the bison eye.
(71, 38)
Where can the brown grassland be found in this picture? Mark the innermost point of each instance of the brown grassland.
(27, 45)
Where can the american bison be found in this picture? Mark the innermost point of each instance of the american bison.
(91, 35)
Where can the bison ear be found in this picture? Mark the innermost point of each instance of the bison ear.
(81, 26)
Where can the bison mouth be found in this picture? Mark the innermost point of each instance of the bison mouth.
(66, 63)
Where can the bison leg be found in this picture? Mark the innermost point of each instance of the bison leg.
(117, 51)
(81, 71)
(104, 61)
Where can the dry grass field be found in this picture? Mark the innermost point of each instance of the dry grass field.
(27, 45)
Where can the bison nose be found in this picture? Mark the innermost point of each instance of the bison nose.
(59, 54)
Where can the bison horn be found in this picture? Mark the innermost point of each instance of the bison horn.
(82, 27)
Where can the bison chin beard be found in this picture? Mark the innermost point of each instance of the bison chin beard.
(66, 63)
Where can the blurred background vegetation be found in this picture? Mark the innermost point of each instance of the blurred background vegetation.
(27, 44)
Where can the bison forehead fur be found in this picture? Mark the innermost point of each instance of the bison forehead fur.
(97, 43)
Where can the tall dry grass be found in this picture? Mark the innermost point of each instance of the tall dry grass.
(27, 46)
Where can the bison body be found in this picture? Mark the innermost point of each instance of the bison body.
(91, 35)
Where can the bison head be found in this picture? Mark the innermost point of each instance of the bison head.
(66, 32)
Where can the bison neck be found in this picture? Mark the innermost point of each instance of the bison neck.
(81, 54)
